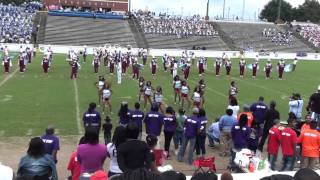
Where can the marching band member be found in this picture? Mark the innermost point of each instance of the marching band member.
(242, 66)
(268, 68)
(281, 66)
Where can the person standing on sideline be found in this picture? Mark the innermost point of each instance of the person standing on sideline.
(91, 118)
(240, 134)
(178, 136)
(137, 117)
(213, 133)
(133, 154)
(288, 144)
(92, 155)
(296, 105)
(170, 125)
(271, 115)
(107, 127)
(201, 137)
(74, 165)
(124, 114)
(225, 124)
(259, 110)
(191, 130)
(314, 105)
(118, 138)
(234, 106)
(273, 144)
(51, 143)
(154, 121)
(246, 111)
(310, 140)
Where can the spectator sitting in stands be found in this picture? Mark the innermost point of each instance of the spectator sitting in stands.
(37, 164)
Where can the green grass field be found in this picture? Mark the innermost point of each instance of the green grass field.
(31, 101)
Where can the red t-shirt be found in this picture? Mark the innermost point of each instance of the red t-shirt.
(74, 166)
(274, 140)
(288, 141)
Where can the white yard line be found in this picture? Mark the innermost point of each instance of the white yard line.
(212, 90)
(76, 93)
(9, 76)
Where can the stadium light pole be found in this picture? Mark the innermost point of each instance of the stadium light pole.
(224, 7)
(207, 14)
(279, 11)
(243, 8)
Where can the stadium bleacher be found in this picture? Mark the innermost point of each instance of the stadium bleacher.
(249, 35)
(84, 31)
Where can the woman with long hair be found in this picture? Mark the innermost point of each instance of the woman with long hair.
(158, 98)
(141, 87)
(177, 88)
(118, 138)
(99, 85)
(37, 164)
(170, 125)
(124, 114)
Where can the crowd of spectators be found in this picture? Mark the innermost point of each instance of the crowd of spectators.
(311, 33)
(16, 22)
(279, 38)
(182, 27)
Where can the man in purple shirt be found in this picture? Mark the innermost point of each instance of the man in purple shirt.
(91, 118)
(259, 110)
(51, 142)
(154, 121)
(137, 117)
(192, 127)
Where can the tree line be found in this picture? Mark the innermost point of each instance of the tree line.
(308, 11)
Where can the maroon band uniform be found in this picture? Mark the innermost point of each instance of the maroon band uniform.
(201, 66)
(6, 64)
(96, 64)
(135, 69)
(268, 68)
(187, 70)
(45, 65)
(74, 69)
(228, 67)
(242, 65)
(254, 68)
(111, 67)
(218, 66)
(281, 66)
(153, 66)
(21, 64)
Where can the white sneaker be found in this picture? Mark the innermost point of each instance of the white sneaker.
(176, 152)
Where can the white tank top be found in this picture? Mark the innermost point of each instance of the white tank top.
(148, 91)
(114, 167)
(177, 84)
(100, 84)
(158, 97)
(196, 97)
(184, 89)
(106, 93)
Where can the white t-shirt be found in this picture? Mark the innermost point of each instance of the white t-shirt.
(235, 110)
(114, 167)
(6, 173)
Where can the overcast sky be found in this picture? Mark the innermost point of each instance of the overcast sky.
(190, 7)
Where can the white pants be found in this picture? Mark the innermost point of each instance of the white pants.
(174, 73)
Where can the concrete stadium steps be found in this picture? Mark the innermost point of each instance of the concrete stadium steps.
(249, 34)
(170, 42)
(86, 31)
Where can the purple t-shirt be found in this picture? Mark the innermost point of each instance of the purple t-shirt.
(51, 142)
(240, 136)
(170, 123)
(92, 119)
(259, 110)
(153, 122)
(91, 157)
(191, 126)
(137, 117)
(124, 118)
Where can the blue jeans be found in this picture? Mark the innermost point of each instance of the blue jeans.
(184, 147)
(272, 160)
(212, 139)
(287, 163)
(178, 138)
